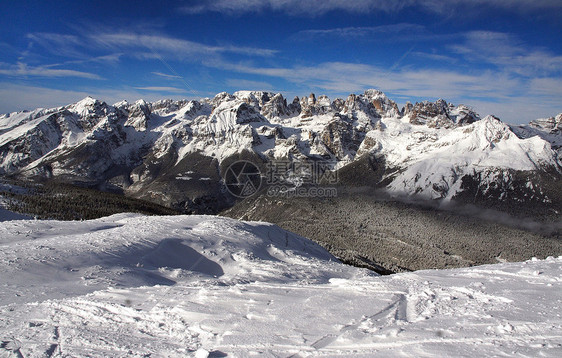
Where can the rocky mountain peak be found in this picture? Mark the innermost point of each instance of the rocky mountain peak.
(138, 115)
(310, 106)
(374, 93)
(255, 98)
(551, 124)
(352, 103)
(88, 107)
(441, 103)
(439, 114)
(220, 98)
(275, 107)
(311, 99)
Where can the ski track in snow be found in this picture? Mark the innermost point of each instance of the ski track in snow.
(205, 286)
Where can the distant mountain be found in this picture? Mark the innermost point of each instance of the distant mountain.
(175, 152)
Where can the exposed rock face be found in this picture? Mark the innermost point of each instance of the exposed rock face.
(341, 138)
(373, 103)
(369, 144)
(155, 150)
(382, 104)
(423, 111)
(462, 114)
(551, 124)
(138, 115)
(439, 114)
(295, 106)
(275, 107)
(338, 104)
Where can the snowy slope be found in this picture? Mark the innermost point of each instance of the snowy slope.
(203, 286)
(549, 129)
(433, 161)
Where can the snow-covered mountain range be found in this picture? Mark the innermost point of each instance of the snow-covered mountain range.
(173, 152)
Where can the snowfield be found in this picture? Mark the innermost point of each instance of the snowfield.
(205, 286)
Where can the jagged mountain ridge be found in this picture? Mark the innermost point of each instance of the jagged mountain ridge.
(171, 152)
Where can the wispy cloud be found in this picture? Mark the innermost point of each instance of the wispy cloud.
(317, 8)
(351, 77)
(480, 67)
(171, 46)
(144, 46)
(297, 7)
(106, 59)
(540, 98)
(507, 52)
(68, 46)
(521, 6)
(362, 32)
(242, 84)
(23, 70)
(548, 88)
(500, 91)
(162, 89)
(15, 97)
(434, 56)
(165, 75)
(394, 33)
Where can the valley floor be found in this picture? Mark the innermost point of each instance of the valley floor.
(135, 286)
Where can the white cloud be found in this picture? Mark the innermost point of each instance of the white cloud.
(434, 56)
(493, 92)
(169, 46)
(345, 77)
(400, 32)
(359, 32)
(162, 89)
(133, 44)
(517, 110)
(547, 87)
(165, 75)
(242, 84)
(111, 59)
(14, 97)
(59, 44)
(514, 101)
(296, 7)
(522, 7)
(316, 8)
(516, 73)
(23, 70)
(506, 51)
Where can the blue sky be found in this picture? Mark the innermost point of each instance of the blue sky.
(500, 57)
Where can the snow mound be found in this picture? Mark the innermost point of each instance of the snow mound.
(128, 250)
(173, 253)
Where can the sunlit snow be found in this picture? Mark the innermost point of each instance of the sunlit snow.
(129, 285)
